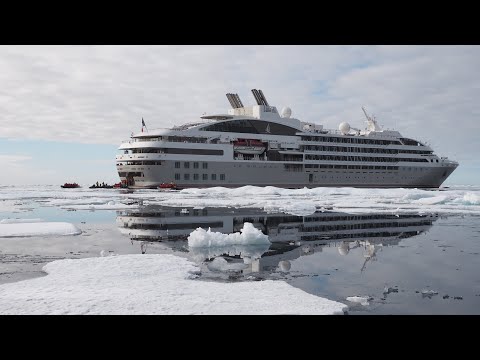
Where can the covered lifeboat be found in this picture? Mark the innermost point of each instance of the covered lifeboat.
(249, 146)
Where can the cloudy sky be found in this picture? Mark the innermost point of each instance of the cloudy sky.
(65, 109)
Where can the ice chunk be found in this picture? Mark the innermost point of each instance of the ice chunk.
(249, 235)
(38, 229)
(468, 199)
(428, 292)
(362, 300)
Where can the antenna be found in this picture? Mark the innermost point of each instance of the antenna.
(372, 124)
(366, 115)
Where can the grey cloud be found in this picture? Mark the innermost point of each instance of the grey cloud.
(98, 94)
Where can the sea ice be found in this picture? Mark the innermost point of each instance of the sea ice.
(19, 221)
(151, 284)
(23, 229)
(304, 201)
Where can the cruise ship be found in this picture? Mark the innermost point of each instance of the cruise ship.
(257, 145)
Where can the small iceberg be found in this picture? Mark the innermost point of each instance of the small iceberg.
(248, 235)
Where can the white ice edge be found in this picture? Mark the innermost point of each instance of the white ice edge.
(19, 221)
(38, 229)
(151, 284)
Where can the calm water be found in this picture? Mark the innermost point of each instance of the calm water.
(389, 258)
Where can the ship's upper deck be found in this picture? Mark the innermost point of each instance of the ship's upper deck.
(263, 119)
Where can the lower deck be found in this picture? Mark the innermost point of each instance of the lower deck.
(235, 174)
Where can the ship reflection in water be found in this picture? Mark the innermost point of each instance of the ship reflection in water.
(291, 236)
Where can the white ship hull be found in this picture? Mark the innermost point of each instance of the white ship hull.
(258, 173)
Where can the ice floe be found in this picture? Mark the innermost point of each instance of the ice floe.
(248, 235)
(151, 284)
(304, 201)
(24, 229)
(19, 221)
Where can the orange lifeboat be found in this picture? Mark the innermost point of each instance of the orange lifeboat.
(168, 186)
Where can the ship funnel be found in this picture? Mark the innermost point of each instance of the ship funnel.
(256, 95)
(263, 98)
(259, 97)
(234, 100)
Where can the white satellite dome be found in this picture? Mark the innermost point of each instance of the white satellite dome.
(286, 112)
(344, 127)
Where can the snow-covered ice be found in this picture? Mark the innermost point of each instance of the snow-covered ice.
(19, 221)
(111, 205)
(454, 200)
(151, 284)
(305, 201)
(23, 229)
(248, 235)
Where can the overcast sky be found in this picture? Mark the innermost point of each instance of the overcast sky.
(65, 109)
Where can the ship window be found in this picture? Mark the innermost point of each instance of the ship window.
(205, 165)
(205, 177)
(214, 176)
(177, 165)
(186, 176)
(222, 176)
(195, 165)
(177, 176)
(186, 165)
(252, 127)
(192, 151)
(195, 176)
(410, 142)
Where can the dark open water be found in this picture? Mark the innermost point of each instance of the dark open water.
(389, 259)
